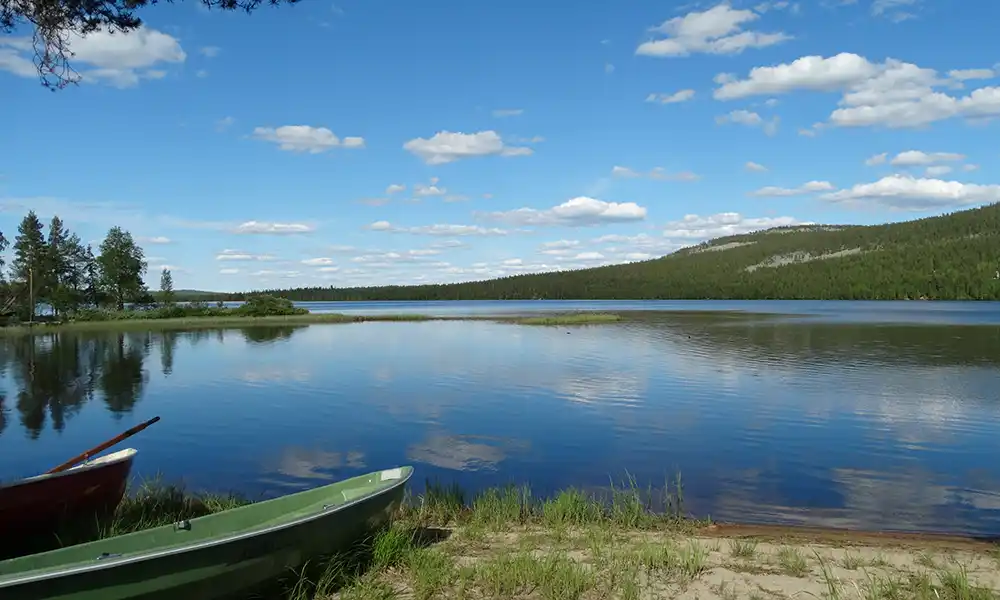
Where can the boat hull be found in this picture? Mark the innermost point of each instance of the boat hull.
(212, 569)
(40, 506)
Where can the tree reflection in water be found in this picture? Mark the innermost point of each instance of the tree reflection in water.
(53, 375)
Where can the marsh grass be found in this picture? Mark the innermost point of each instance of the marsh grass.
(567, 319)
(205, 322)
(137, 322)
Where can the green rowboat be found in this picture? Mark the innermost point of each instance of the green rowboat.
(214, 556)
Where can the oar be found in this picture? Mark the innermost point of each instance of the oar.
(78, 459)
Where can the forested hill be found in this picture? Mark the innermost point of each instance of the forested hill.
(955, 256)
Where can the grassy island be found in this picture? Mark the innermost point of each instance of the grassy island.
(505, 543)
(261, 310)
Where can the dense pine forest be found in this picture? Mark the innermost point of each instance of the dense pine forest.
(950, 257)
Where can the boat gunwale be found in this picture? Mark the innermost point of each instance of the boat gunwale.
(58, 573)
(101, 462)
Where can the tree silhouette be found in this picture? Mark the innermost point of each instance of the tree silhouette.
(55, 23)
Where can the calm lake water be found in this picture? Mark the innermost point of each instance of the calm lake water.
(850, 414)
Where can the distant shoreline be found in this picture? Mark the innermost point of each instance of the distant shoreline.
(223, 322)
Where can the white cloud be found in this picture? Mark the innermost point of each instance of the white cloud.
(270, 274)
(681, 96)
(224, 123)
(395, 188)
(806, 188)
(241, 256)
(559, 247)
(892, 94)
(305, 138)
(892, 9)
(229, 271)
(318, 262)
(439, 229)
(446, 146)
(210, 51)
(937, 170)
(609, 68)
(756, 167)
(508, 112)
(423, 191)
(878, 159)
(577, 212)
(159, 239)
(916, 158)
(718, 30)
(910, 193)
(117, 59)
(385, 259)
(658, 173)
(261, 228)
(624, 172)
(750, 119)
(695, 227)
(967, 74)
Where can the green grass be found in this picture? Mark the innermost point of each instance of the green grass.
(208, 322)
(135, 323)
(567, 319)
(508, 543)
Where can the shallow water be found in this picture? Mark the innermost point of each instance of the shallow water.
(825, 417)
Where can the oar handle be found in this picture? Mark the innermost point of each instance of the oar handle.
(82, 457)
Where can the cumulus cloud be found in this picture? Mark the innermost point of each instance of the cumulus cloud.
(265, 228)
(577, 212)
(718, 30)
(446, 146)
(241, 256)
(756, 167)
(118, 59)
(695, 227)
(905, 192)
(892, 94)
(806, 188)
(305, 138)
(439, 229)
(681, 96)
(395, 188)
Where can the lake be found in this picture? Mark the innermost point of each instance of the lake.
(847, 414)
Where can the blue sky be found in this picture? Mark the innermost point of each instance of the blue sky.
(368, 143)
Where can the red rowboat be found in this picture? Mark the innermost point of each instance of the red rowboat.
(41, 504)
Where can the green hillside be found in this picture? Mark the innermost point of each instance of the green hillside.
(950, 257)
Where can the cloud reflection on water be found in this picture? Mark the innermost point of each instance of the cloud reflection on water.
(464, 452)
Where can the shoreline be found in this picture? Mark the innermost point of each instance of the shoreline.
(228, 322)
(506, 543)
